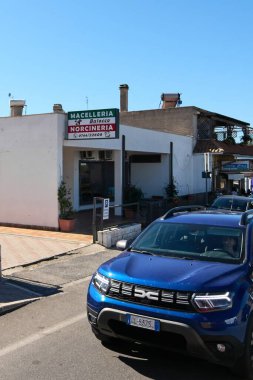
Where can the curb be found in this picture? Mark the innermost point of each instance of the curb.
(9, 306)
(14, 296)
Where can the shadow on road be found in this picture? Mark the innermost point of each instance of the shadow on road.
(158, 364)
(41, 289)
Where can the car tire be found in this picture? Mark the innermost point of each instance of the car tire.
(244, 366)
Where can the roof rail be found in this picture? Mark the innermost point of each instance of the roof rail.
(246, 217)
(182, 209)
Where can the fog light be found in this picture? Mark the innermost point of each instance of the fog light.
(221, 347)
(92, 319)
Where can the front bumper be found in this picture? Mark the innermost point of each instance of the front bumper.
(173, 335)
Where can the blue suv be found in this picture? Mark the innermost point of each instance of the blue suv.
(185, 284)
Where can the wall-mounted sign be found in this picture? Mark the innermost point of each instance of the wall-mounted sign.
(106, 205)
(206, 175)
(235, 166)
(96, 124)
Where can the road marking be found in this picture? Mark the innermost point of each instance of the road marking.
(33, 338)
(76, 282)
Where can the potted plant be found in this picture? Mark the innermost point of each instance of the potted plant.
(132, 194)
(66, 216)
(230, 140)
(172, 192)
(246, 139)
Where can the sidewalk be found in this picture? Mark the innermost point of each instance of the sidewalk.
(20, 247)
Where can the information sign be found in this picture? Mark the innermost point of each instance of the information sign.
(106, 205)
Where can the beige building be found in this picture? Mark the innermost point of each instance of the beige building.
(226, 141)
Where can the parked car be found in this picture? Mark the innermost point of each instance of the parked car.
(233, 203)
(184, 284)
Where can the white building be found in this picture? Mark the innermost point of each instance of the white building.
(35, 154)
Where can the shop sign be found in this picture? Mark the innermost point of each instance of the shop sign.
(235, 177)
(93, 124)
(235, 166)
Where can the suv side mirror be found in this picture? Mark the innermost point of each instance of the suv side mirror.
(122, 244)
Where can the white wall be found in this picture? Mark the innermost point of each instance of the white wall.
(30, 169)
(70, 174)
(152, 178)
(34, 157)
(199, 183)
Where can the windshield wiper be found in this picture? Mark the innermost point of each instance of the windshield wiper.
(187, 258)
(141, 251)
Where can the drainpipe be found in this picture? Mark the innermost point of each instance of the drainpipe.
(123, 168)
(171, 164)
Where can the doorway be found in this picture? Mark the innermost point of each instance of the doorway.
(96, 179)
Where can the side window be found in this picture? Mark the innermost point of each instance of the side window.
(239, 206)
(224, 203)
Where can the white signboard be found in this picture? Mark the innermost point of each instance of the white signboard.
(106, 205)
(93, 124)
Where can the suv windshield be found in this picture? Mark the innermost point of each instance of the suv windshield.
(203, 242)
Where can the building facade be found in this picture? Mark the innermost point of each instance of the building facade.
(150, 149)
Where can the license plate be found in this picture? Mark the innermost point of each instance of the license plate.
(143, 322)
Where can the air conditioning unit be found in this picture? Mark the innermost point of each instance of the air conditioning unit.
(86, 155)
(105, 155)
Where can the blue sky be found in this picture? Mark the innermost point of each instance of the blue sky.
(78, 52)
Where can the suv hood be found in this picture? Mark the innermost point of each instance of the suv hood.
(171, 273)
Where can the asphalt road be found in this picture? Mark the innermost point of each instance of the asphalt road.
(51, 338)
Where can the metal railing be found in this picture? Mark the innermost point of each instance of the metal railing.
(98, 222)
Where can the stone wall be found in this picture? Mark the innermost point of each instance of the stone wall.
(109, 237)
(173, 120)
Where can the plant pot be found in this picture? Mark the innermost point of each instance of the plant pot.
(67, 225)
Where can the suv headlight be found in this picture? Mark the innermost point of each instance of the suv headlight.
(212, 302)
(101, 282)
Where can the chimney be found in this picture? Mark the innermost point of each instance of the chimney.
(57, 108)
(17, 107)
(170, 100)
(123, 97)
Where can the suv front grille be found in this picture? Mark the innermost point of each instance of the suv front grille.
(169, 299)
